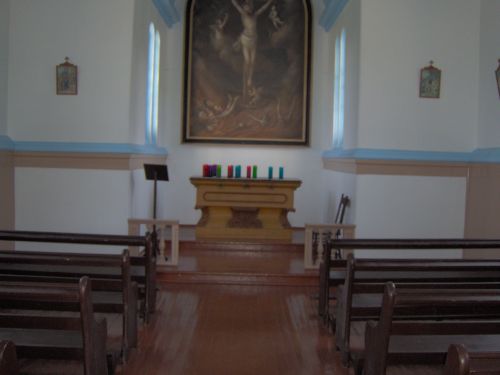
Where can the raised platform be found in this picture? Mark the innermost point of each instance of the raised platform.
(240, 263)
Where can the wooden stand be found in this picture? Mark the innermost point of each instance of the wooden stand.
(244, 209)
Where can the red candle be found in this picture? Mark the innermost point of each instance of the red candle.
(230, 171)
(206, 170)
(249, 171)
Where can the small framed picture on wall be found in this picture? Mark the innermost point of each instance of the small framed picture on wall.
(430, 82)
(497, 74)
(66, 78)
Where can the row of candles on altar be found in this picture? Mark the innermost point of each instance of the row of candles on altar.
(215, 170)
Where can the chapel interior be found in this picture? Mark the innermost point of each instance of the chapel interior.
(238, 258)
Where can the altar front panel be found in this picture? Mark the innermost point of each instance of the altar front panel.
(244, 209)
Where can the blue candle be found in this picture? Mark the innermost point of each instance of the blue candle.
(238, 171)
(270, 173)
(282, 173)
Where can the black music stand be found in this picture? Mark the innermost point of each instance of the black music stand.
(155, 172)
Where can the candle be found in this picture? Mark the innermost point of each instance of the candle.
(281, 173)
(254, 174)
(249, 171)
(229, 171)
(219, 170)
(206, 170)
(270, 173)
(238, 171)
(213, 172)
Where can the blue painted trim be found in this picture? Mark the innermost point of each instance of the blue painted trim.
(490, 155)
(332, 11)
(112, 148)
(167, 11)
(486, 155)
(6, 144)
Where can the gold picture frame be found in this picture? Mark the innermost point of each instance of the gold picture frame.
(66, 78)
(430, 82)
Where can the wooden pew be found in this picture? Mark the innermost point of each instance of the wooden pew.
(143, 268)
(332, 272)
(329, 271)
(56, 337)
(425, 340)
(8, 358)
(110, 295)
(459, 361)
(360, 297)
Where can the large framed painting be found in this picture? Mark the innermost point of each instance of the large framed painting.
(247, 71)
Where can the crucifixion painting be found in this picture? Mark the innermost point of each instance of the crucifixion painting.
(247, 68)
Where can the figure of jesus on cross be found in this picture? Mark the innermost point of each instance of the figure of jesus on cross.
(248, 40)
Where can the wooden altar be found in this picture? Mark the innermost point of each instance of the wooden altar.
(244, 209)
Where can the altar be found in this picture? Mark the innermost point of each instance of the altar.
(244, 209)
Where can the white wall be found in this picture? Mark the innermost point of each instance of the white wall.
(97, 36)
(81, 201)
(398, 38)
(392, 40)
(410, 207)
(4, 57)
(489, 107)
(336, 184)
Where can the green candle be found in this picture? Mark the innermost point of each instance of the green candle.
(254, 174)
(219, 170)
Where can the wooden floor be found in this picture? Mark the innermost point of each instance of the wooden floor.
(231, 309)
(235, 330)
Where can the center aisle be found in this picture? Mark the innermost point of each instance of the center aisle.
(235, 330)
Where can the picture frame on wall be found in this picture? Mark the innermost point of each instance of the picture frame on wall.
(247, 72)
(66, 78)
(497, 74)
(430, 82)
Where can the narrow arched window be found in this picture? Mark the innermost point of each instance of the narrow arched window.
(339, 90)
(152, 85)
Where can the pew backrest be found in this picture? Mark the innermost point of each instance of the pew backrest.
(49, 267)
(92, 332)
(143, 269)
(432, 343)
(365, 280)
